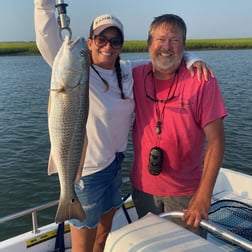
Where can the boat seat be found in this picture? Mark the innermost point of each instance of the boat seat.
(152, 234)
(234, 216)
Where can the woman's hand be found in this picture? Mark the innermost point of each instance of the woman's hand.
(201, 68)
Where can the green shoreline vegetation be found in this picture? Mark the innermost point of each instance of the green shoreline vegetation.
(30, 48)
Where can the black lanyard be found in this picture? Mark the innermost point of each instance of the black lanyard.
(160, 114)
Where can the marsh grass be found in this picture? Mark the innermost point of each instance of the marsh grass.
(30, 48)
(196, 44)
(13, 48)
(239, 43)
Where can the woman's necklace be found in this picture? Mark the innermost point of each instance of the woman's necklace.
(102, 79)
(160, 114)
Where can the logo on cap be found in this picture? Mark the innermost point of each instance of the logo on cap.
(105, 21)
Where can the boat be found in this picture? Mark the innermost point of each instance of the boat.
(229, 226)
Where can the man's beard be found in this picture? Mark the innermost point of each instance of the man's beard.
(166, 65)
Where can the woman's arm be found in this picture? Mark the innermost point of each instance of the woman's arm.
(193, 61)
(46, 29)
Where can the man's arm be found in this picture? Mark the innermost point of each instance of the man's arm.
(201, 200)
(46, 28)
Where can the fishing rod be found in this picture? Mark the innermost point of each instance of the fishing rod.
(63, 20)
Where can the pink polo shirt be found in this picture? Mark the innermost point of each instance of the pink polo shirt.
(194, 104)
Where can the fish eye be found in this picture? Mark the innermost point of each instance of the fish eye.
(82, 53)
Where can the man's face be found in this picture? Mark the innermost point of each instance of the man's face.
(166, 48)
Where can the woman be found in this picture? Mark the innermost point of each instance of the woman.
(110, 115)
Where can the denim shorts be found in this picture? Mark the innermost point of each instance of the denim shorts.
(99, 193)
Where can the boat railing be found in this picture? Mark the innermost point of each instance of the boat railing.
(216, 230)
(33, 211)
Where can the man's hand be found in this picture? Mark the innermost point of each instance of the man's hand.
(197, 210)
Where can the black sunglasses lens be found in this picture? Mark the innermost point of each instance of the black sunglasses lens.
(116, 42)
(100, 40)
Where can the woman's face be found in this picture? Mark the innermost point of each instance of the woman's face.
(103, 54)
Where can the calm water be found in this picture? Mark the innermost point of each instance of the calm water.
(24, 142)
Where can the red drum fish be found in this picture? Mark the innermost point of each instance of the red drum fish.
(67, 116)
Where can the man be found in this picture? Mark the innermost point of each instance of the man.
(173, 169)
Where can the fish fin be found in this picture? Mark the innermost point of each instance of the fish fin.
(58, 90)
(69, 210)
(83, 155)
(49, 106)
(52, 168)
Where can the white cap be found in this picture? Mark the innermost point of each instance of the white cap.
(103, 22)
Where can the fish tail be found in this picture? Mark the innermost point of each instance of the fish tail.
(69, 210)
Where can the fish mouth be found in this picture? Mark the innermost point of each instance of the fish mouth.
(76, 41)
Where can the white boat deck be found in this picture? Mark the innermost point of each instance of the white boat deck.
(153, 233)
(149, 234)
(233, 186)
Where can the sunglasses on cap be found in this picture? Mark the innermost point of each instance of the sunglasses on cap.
(115, 43)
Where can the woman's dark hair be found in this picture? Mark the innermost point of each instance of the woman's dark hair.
(118, 75)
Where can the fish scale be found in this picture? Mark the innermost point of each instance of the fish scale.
(67, 117)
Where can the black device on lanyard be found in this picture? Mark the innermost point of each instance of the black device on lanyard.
(155, 161)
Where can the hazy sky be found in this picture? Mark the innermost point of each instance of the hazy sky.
(204, 18)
